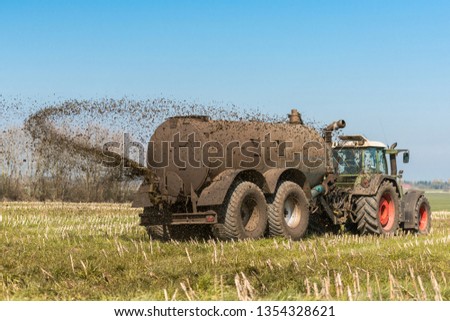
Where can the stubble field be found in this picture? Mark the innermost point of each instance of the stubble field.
(56, 251)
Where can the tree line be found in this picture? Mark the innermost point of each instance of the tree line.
(436, 184)
(45, 171)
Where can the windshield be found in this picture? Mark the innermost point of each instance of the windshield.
(353, 161)
(349, 161)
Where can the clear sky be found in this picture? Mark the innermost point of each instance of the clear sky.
(383, 66)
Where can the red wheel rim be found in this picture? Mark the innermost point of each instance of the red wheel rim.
(386, 212)
(423, 218)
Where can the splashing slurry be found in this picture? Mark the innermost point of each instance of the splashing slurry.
(74, 125)
(79, 130)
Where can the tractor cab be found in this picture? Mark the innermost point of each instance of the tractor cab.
(356, 155)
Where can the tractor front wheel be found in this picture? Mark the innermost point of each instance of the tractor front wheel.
(423, 215)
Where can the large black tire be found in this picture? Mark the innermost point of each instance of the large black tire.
(178, 232)
(379, 214)
(289, 212)
(158, 232)
(218, 231)
(175, 232)
(422, 215)
(246, 213)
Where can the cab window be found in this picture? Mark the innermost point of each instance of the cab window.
(348, 161)
(375, 161)
(382, 165)
(355, 161)
(370, 160)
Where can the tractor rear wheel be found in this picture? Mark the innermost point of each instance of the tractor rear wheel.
(246, 213)
(379, 214)
(289, 212)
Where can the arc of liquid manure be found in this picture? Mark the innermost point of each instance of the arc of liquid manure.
(41, 129)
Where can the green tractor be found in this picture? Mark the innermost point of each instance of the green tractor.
(367, 194)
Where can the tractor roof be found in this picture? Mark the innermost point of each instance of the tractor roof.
(357, 141)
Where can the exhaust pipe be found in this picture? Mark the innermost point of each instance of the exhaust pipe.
(336, 125)
(339, 124)
(328, 137)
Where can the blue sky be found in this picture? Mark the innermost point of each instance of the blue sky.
(383, 66)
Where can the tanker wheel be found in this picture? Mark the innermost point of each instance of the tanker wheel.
(246, 213)
(158, 232)
(289, 212)
(379, 214)
(166, 232)
(423, 216)
(178, 232)
(218, 231)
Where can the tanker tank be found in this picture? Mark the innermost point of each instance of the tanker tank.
(229, 176)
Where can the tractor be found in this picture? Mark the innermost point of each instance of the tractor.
(250, 179)
(367, 194)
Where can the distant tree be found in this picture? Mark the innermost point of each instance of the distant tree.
(16, 163)
(51, 169)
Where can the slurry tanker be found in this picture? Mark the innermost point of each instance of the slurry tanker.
(250, 179)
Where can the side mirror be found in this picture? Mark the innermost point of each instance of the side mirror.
(406, 157)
